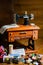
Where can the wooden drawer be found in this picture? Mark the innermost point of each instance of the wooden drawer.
(18, 35)
(35, 34)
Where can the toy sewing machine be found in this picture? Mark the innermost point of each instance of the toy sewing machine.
(25, 17)
(27, 30)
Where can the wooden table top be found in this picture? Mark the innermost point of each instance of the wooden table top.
(13, 64)
(23, 27)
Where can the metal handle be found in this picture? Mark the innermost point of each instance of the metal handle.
(22, 32)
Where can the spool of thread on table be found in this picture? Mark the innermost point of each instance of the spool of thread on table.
(10, 48)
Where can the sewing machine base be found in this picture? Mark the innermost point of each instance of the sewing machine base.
(21, 32)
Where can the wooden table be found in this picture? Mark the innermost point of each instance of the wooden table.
(22, 32)
(13, 64)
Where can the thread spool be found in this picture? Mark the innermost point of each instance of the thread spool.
(10, 49)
